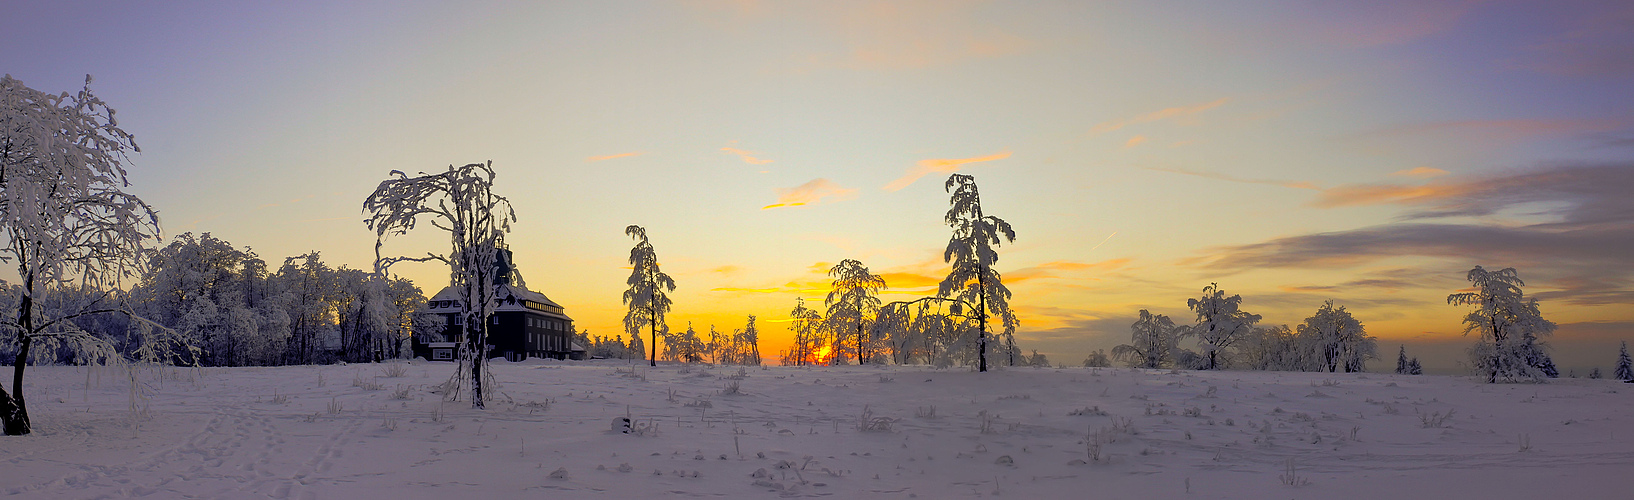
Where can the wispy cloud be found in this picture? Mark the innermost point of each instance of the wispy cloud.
(1057, 268)
(1581, 249)
(1368, 24)
(747, 156)
(947, 165)
(1134, 141)
(1420, 172)
(811, 193)
(1599, 44)
(1177, 112)
(896, 36)
(1230, 178)
(1499, 130)
(1378, 194)
(618, 156)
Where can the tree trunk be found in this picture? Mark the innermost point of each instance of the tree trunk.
(474, 341)
(981, 312)
(13, 409)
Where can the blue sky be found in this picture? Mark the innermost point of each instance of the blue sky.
(1291, 151)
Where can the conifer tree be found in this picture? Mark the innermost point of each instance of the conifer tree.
(1625, 369)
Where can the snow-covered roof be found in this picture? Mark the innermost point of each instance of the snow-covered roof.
(511, 298)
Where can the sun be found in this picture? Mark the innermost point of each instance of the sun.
(822, 355)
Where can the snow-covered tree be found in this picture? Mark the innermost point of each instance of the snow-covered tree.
(462, 202)
(637, 348)
(852, 303)
(1274, 348)
(1151, 342)
(1220, 324)
(807, 325)
(647, 297)
(1338, 340)
(685, 347)
(1097, 359)
(1401, 360)
(1625, 369)
(68, 224)
(742, 347)
(970, 251)
(1509, 324)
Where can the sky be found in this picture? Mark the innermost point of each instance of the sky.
(1370, 153)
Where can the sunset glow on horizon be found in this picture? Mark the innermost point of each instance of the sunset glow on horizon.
(1290, 152)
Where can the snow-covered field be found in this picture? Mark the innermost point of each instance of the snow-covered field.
(846, 432)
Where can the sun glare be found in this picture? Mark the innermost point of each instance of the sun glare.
(822, 355)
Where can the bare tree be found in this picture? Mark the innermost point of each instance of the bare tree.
(646, 298)
(66, 219)
(970, 251)
(462, 202)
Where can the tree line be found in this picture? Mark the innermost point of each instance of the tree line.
(236, 311)
(1509, 328)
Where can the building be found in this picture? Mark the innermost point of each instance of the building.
(525, 324)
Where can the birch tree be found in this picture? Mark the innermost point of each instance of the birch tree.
(68, 223)
(647, 297)
(1509, 325)
(970, 251)
(852, 303)
(462, 202)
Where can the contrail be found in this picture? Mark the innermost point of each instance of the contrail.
(1103, 242)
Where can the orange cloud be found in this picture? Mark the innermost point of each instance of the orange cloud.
(1053, 269)
(748, 156)
(620, 155)
(1376, 194)
(1178, 112)
(1420, 172)
(1134, 141)
(927, 167)
(811, 193)
(909, 280)
(726, 269)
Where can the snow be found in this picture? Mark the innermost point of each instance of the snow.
(848, 432)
